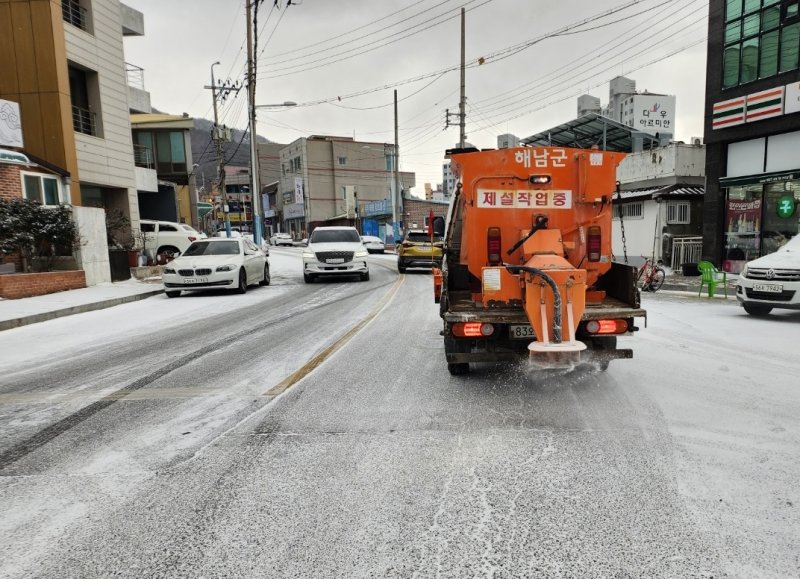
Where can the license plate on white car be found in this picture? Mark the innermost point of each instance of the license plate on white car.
(520, 332)
(195, 280)
(337, 260)
(770, 288)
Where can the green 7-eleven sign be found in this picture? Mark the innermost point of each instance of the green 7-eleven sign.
(786, 206)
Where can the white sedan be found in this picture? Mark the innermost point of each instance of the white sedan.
(373, 244)
(281, 239)
(216, 263)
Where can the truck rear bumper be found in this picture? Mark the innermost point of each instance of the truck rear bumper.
(586, 356)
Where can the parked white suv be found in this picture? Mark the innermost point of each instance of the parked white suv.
(771, 281)
(334, 251)
(168, 237)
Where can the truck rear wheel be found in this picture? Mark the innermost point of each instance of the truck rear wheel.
(453, 346)
(600, 344)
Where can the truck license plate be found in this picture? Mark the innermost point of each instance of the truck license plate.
(520, 332)
(768, 288)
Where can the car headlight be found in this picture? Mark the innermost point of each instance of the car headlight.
(169, 270)
(229, 267)
(743, 273)
(308, 255)
(362, 253)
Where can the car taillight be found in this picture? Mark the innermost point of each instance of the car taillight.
(593, 243)
(407, 244)
(607, 326)
(472, 330)
(191, 238)
(493, 243)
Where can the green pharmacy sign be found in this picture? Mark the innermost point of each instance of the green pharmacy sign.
(786, 206)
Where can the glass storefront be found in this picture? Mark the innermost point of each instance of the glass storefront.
(759, 218)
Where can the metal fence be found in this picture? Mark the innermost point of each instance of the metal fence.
(686, 250)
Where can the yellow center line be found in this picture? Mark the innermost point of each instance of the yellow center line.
(312, 364)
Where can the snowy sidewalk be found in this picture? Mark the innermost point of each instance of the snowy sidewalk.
(21, 312)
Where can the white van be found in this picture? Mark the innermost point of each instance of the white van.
(167, 237)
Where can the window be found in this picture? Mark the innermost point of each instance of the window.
(42, 188)
(762, 39)
(678, 212)
(75, 14)
(296, 165)
(629, 211)
(84, 92)
(342, 160)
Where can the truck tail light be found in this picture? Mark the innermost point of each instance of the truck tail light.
(593, 243)
(472, 330)
(493, 243)
(607, 326)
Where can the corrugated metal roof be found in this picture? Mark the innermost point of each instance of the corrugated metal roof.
(667, 192)
(587, 131)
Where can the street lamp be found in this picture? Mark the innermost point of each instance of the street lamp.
(255, 185)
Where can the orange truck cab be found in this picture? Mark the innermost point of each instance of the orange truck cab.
(527, 270)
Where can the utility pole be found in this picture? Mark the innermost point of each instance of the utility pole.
(255, 185)
(221, 135)
(462, 103)
(397, 203)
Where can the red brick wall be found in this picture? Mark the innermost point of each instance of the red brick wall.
(25, 285)
(10, 181)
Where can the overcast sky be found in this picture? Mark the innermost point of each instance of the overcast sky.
(318, 51)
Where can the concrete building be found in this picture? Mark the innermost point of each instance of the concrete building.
(269, 167)
(63, 63)
(661, 205)
(327, 180)
(507, 141)
(752, 130)
(642, 111)
(163, 157)
(589, 104)
(448, 180)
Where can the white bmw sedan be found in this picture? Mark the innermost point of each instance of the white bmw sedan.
(216, 263)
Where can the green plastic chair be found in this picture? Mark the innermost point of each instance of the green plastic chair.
(710, 276)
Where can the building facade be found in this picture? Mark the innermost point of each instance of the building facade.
(63, 62)
(327, 180)
(752, 129)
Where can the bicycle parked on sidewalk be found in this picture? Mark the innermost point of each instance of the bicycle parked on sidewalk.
(651, 276)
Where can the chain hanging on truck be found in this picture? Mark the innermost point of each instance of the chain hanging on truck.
(621, 223)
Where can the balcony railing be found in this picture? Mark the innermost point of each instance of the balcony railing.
(83, 121)
(143, 157)
(135, 75)
(74, 13)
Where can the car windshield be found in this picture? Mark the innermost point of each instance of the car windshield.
(213, 248)
(420, 237)
(334, 236)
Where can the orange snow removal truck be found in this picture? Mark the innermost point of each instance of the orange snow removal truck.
(527, 270)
